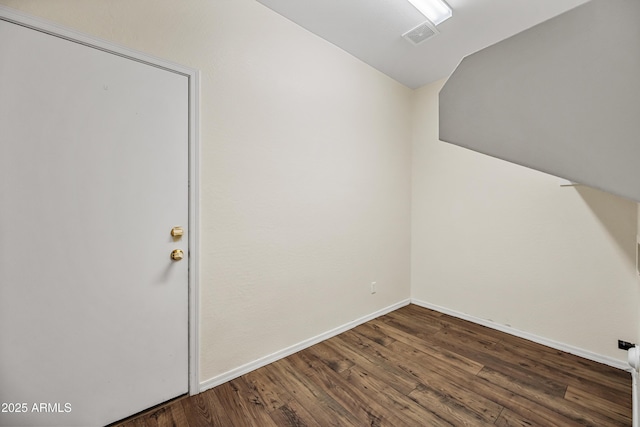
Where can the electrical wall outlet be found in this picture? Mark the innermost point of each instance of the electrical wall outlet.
(373, 288)
(623, 345)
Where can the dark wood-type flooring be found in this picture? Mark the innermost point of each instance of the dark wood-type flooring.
(413, 367)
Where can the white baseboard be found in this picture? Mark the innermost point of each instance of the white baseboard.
(526, 335)
(263, 361)
(259, 363)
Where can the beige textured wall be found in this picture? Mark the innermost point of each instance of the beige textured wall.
(505, 243)
(305, 169)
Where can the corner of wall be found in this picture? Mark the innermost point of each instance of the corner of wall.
(502, 242)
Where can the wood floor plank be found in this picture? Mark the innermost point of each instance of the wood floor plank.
(172, 415)
(243, 403)
(425, 318)
(179, 416)
(370, 360)
(439, 357)
(599, 384)
(407, 324)
(374, 333)
(520, 368)
(452, 388)
(445, 322)
(590, 370)
(462, 341)
(271, 394)
(413, 308)
(168, 414)
(293, 414)
(412, 367)
(583, 416)
(509, 418)
(526, 379)
(571, 364)
(520, 404)
(586, 400)
(318, 402)
(436, 381)
(447, 407)
(197, 410)
(497, 394)
(368, 411)
(333, 358)
(411, 413)
(444, 380)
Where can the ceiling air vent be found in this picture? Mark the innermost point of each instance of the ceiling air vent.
(422, 32)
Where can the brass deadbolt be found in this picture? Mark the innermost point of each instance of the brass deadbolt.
(177, 231)
(177, 254)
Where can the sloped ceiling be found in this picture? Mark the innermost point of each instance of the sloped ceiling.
(371, 30)
(561, 97)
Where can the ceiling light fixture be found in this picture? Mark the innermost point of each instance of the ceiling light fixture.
(436, 11)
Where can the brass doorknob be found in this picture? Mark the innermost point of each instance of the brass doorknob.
(177, 254)
(177, 231)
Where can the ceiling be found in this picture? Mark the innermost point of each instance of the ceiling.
(371, 30)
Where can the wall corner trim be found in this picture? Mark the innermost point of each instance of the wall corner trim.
(610, 361)
(281, 354)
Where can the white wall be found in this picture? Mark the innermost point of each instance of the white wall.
(505, 243)
(305, 169)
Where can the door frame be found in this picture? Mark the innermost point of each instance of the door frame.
(193, 75)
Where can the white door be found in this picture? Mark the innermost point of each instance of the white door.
(93, 176)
